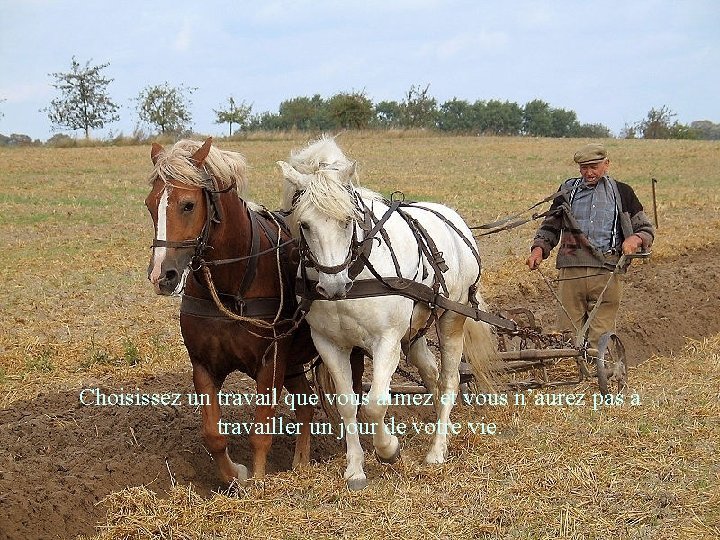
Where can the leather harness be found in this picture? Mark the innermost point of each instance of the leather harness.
(262, 222)
(358, 258)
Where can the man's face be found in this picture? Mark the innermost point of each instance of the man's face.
(593, 172)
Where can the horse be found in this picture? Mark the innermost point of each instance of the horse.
(234, 264)
(351, 238)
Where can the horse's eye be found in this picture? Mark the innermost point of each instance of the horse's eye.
(304, 226)
(188, 207)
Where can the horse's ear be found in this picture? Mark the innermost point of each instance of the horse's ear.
(350, 170)
(293, 175)
(155, 152)
(198, 158)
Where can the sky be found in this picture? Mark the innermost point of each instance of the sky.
(609, 61)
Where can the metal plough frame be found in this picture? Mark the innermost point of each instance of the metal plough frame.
(528, 349)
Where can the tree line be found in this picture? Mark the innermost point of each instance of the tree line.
(84, 104)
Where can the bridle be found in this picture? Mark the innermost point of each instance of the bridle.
(358, 250)
(213, 216)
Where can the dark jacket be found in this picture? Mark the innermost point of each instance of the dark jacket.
(560, 226)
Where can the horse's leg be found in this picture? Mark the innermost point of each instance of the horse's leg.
(338, 364)
(270, 377)
(420, 356)
(423, 359)
(215, 442)
(386, 356)
(357, 361)
(298, 385)
(450, 335)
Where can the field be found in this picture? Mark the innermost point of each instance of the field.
(77, 311)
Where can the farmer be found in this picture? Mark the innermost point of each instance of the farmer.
(595, 219)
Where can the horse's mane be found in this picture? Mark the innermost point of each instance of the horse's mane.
(330, 192)
(321, 153)
(174, 164)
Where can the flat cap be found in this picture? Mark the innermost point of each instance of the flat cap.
(590, 153)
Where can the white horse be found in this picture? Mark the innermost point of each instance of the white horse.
(328, 216)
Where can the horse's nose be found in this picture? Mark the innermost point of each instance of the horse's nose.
(167, 282)
(334, 291)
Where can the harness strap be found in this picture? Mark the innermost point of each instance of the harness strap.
(433, 255)
(251, 268)
(259, 308)
(368, 219)
(370, 288)
(220, 262)
(504, 221)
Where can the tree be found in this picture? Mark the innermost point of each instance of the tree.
(657, 123)
(498, 118)
(83, 103)
(629, 131)
(562, 122)
(352, 110)
(266, 121)
(235, 114)
(537, 118)
(591, 131)
(305, 113)
(388, 114)
(166, 107)
(706, 129)
(419, 109)
(455, 116)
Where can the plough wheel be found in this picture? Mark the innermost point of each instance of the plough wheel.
(611, 367)
(323, 386)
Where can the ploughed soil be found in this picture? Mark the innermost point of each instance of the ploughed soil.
(58, 458)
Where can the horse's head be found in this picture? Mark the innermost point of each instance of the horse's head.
(324, 218)
(184, 204)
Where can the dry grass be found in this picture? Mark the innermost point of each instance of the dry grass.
(75, 305)
(74, 301)
(645, 471)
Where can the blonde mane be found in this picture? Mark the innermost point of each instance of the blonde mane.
(331, 191)
(225, 166)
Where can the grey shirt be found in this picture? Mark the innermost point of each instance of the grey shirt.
(596, 212)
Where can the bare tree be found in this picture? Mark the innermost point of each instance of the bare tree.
(419, 108)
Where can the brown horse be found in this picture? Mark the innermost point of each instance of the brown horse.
(235, 266)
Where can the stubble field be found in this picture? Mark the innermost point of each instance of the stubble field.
(76, 311)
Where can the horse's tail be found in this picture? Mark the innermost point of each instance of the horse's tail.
(480, 349)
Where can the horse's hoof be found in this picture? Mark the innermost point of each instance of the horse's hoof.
(239, 475)
(389, 460)
(434, 458)
(357, 484)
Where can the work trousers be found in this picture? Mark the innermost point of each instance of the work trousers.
(579, 289)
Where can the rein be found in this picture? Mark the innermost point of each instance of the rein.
(198, 262)
(512, 221)
(379, 285)
(214, 215)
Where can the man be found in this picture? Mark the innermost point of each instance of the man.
(595, 219)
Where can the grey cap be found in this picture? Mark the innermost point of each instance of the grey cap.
(590, 153)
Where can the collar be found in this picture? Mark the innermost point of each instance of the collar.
(584, 185)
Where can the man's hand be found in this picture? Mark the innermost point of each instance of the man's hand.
(632, 244)
(535, 258)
